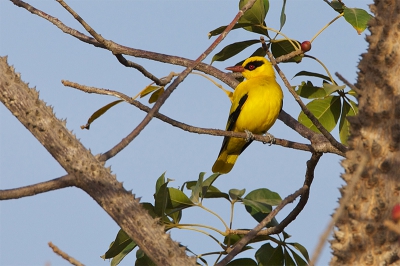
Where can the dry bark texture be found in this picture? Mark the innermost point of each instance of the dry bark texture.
(87, 171)
(361, 238)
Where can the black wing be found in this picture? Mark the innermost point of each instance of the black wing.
(232, 121)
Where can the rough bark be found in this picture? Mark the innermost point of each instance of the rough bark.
(89, 174)
(361, 238)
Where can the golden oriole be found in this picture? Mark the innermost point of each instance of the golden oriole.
(256, 104)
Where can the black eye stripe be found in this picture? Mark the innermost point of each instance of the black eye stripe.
(253, 65)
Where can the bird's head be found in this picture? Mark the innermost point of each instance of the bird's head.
(253, 67)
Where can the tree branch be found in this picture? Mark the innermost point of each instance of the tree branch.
(57, 183)
(319, 145)
(303, 192)
(117, 148)
(303, 107)
(90, 174)
(254, 232)
(64, 255)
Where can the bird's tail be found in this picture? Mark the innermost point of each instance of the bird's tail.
(224, 163)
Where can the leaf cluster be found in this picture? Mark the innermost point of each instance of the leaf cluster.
(169, 204)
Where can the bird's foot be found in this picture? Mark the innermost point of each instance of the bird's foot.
(271, 139)
(250, 135)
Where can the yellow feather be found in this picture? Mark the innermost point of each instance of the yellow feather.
(256, 104)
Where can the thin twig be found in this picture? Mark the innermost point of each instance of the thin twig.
(117, 148)
(253, 233)
(140, 68)
(31, 190)
(303, 107)
(309, 177)
(345, 81)
(64, 255)
(343, 203)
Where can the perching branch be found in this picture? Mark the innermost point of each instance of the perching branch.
(321, 145)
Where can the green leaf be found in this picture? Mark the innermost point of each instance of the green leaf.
(288, 259)
(344, 125)
(256, 14)
(236, 193)
(312, 74)
(160, 181)
(284, 47)
(259, 52)
(178, 199)
(99, 113)
(122, 240)
(176, 215)
(258, 204)
(219, 30)
(283, 15)
(330, 88)
(299, 260)
(265, 196)
(117, 259)
(142, 259)
(300, 248)
(326, 110)
(232, 50)
(358, 18)
(207, 184)
(309, 91)
(267, 255)
(337, 6)
(161, 200)
(195, 197)
(242, 262)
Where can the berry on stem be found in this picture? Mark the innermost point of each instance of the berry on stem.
(306, 46)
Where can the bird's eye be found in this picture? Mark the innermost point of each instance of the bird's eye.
(252, 67)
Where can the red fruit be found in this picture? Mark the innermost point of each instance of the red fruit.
(305, 46)
(396, 213)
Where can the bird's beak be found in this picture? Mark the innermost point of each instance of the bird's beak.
(235, 68)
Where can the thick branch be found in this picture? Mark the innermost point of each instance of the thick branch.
(90, 174)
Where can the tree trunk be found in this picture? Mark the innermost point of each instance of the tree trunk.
(361, 238)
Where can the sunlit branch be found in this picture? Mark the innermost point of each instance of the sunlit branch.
(214, 132)
(64, 255)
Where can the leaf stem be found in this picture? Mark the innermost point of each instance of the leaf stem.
(322, 64)
(326, 26)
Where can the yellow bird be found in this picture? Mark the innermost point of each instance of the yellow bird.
(256, 104)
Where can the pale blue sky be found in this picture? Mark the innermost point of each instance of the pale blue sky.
(44, 56)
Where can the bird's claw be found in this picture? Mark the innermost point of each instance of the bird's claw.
(271, 139)
(250, 135)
